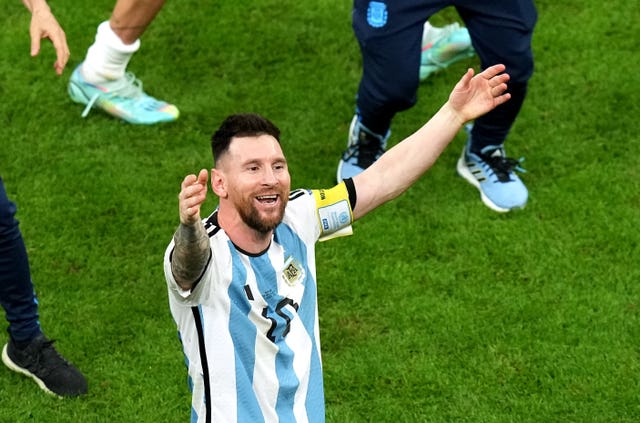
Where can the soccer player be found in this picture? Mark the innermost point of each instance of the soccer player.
(389, 34)
(29, 351)
(242, 281)
(102, 81)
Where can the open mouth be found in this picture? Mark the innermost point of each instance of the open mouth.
(267, 199)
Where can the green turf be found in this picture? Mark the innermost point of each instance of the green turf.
(436, 310)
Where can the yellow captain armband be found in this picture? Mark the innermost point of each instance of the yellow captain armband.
(334, 211)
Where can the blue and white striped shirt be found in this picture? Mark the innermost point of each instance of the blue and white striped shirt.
(249, 327)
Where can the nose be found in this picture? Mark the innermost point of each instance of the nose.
(269, 177)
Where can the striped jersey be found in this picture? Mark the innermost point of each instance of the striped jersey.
(249, 327)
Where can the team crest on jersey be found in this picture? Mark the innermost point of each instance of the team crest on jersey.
(377, 14)
(293, 271)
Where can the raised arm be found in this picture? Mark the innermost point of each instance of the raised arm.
(403, 164)
(192, 250)
(45, 25)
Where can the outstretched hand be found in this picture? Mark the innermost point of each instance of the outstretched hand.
(44, 25)
(476, 95)
(192, 195)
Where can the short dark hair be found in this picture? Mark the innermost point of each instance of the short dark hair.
(240, 125)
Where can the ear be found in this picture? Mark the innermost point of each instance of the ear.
(218, 183)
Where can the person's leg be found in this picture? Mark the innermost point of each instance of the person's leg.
(501, 32)
(390, 60)
(130, 18)
(118, 38)
(16, 289)
(28, 351)
(102, 80)
(390, 37)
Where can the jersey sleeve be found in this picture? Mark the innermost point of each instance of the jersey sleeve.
(334, 211)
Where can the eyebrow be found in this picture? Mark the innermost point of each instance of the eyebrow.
(260, 161)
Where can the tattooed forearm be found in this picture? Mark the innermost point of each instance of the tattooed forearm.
(190, 254)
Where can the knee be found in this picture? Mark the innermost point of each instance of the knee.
(401, 96)
(520, 69)
(395, 93)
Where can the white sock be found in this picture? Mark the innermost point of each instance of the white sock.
(108, 56)
(429, 34)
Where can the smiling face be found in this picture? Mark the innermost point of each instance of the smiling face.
(256, 181)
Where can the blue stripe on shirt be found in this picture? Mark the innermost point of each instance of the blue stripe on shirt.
(243, 334)
(276, 311)
(294, 246)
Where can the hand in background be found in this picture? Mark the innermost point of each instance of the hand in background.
(44, 25)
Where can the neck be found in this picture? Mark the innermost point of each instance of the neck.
(244, 237)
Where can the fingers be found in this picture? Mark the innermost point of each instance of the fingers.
(35, 43)
(192, 194)
(493, 75)
(193, 187)
(492, 71)
(498, 100)
(45, 25)
(476, 95)
(203, 177)
(498, 80)
(465, 80)
(498, 89)
(62, 52)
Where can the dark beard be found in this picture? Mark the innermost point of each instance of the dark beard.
(255, 222)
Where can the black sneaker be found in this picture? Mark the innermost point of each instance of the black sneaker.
(363, 148)
(40, 361)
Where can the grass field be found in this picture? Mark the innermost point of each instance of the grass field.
(436, 310)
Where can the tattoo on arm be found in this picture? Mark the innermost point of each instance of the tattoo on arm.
(190, 255)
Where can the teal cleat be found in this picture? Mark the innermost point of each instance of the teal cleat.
(451, 45)
(122, 98)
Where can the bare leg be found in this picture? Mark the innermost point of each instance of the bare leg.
(118, 39)
(130, 18)
(102, 80)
